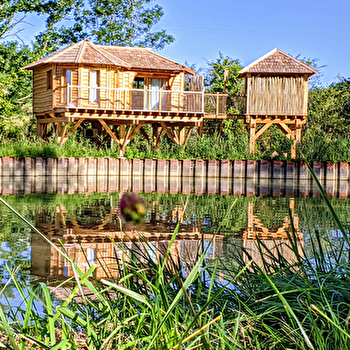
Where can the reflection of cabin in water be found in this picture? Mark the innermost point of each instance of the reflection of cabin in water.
(86, 240)
(98, 240)
(113, 92)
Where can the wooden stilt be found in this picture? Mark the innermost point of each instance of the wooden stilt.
(182, 135)
(252, 130)
(155, 133)
(220, 127)
(200, 129)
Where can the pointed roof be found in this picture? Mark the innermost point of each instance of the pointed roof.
(85, 52)
(277, 62)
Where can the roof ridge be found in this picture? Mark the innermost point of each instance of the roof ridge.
(80, 51)
(125, 47)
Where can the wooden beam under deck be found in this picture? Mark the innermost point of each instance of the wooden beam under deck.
(149, 116)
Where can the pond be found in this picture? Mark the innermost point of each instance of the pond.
(87, 225)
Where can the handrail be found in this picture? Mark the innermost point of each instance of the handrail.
(161, 100)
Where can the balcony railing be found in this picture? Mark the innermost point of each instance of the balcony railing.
(120, 99)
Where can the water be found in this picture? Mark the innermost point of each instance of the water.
(84, 223)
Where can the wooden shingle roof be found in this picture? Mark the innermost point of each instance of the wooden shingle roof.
(85, 52)
(277, 62)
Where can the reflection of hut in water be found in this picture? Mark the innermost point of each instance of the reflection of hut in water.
(275, 238)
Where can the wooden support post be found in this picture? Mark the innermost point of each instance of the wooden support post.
(45, 131)
(159, 137)
(188, 136)
(155, 133)
(217, 104)
(200, 129)
(61, 131)
(170, 134)
(109, 131)
(220, 127)
(252, 130)
(121, 133)
(262, 130)
(182, 135)
(144, 133)
(125, 141)
(296, 138)
(284, 128)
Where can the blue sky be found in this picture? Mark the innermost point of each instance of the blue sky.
(246, 30)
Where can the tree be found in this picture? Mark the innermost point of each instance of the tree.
(15, 87)
(329, 109)
(223, 76)
(12, 12)
(113, 22)
(127, 23)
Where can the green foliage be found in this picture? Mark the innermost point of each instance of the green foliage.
(273, 140)
(15, 89)
(126, 23)
(216, 81)
(329, 109)
(117, 22)
(327, 133)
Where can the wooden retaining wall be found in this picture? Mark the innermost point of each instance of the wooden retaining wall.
(249, 178)
(199, 168)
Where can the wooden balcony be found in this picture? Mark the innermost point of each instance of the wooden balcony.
(74, 102)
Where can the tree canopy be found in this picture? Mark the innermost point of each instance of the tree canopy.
(223, 75)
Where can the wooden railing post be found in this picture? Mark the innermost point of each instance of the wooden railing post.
(160, 98)
(217, 104)
(203, 101)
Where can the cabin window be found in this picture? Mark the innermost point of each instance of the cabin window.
(68, 76)
(93, 93)
(49, 79)
(139, 83)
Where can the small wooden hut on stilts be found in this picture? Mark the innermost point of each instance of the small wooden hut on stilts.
(276, 93)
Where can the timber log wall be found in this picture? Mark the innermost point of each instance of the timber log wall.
(172, 168)
(240, 177)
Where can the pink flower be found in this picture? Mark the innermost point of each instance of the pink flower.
(132, 208)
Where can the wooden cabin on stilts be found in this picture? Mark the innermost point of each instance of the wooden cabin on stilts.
(114, 92)
(276, 93)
